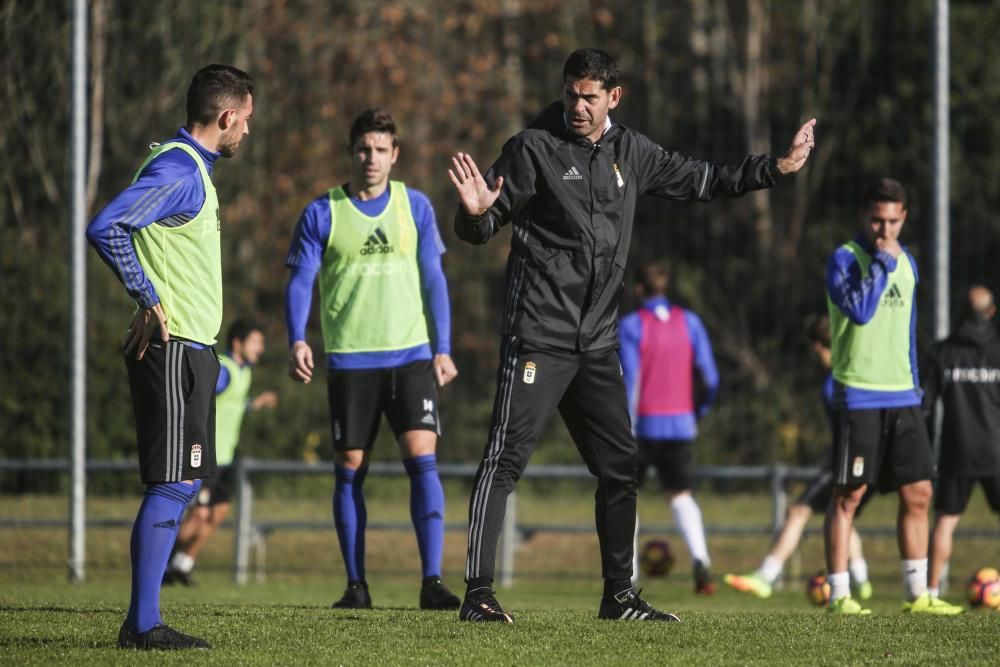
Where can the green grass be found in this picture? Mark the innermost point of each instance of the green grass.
(283, 623)
(287, 620)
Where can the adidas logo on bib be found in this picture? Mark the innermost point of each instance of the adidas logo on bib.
(573, 175)
(377, 243)
(893, 297)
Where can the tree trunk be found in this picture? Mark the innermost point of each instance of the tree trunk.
(98, 56)
(755, 94)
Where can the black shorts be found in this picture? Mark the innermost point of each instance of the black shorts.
(952, 493)
(173, 396)
(887, 446)
(216, 490)
(673, 461)
(819, 492)
(407, 395)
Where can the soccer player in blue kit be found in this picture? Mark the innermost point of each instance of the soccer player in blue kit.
(161, 237)
(375, 245)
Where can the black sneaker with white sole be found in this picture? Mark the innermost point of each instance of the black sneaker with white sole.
(160, 637)
(435, 595)
(628, 606)
(355, 597)
(481, 605)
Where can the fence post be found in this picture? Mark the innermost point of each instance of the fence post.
(244, 522)
(508, 540)
(779, 500)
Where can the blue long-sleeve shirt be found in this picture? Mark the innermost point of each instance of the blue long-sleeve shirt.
(667, 427)
(305, 258)
(169, 191)
(827, 393)
(858, 297)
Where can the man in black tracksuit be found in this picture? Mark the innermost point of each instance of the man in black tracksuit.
(964, 371)
(569, 185)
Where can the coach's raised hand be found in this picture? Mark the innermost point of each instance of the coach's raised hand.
(144, 324)
(798, 153)
(476, 195)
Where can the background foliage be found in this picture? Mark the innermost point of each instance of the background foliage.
(712, 78)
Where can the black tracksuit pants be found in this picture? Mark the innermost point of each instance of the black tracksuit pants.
(588, 389)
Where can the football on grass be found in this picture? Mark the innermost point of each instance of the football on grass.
(818, 589)
(656, 559)
(984, 589)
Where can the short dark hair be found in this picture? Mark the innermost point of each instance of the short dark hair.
(653, 277)
(591, 64)
(373, 120)
(214, 88)
(816, 329)
(240, 329)
(883, 190)
(978, 304)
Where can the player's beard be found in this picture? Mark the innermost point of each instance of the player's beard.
(229, 141)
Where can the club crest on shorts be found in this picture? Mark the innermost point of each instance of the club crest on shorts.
(859, 466)
(196, 455)
(529, 372)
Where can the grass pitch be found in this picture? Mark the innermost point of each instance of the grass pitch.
(287, 619)
(291, 623)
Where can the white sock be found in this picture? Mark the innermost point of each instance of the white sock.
(182, 562)
(934, 592)
(687, 516)
(840, 585)
(635, 552)
(914, 577)
(858, 567)
(770, 569)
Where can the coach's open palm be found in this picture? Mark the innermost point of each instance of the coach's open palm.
(476, 195)
(802, 144)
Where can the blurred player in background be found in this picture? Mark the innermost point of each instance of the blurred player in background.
(671, 380)
(879, 435)
(964, 372)
(816, 498)
(161, 237)
(245, 345)
(376, 247)
(569, 184)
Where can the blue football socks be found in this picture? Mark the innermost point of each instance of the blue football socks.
(427, 511)
(153, 535)
(350, 517)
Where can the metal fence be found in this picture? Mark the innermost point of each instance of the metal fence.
(251, 534)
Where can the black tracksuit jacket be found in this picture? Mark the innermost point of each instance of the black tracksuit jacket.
(964, 370)
(572, 204)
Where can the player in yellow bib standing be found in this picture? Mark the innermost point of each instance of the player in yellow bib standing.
(375, 245)
(879, 436)
(161, 237)
(244, 346)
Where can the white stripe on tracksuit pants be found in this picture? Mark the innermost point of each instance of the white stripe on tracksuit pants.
(174, 391)
(587, 388)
